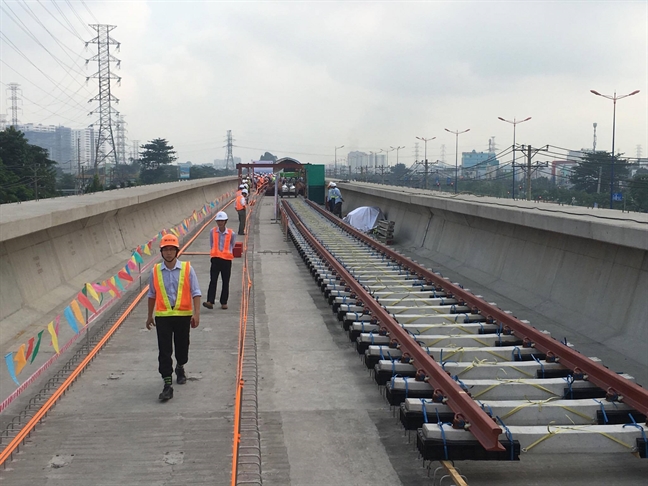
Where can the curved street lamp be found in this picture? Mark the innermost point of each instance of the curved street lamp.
(614, 99)
(396, 149)
(514, 123)
(457, 133)
(425, 141)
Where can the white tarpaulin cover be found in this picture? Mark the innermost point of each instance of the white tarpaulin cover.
(364, 218)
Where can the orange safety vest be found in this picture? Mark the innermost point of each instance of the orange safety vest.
(239, 204)
(226, 254)
(183, 299)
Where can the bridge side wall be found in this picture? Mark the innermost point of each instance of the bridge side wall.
(42, 271)
(594, 287)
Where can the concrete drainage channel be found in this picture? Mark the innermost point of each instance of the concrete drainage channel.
(540, 405)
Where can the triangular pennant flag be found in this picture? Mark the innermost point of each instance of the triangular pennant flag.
(115, 285)
(85, 302)
(127, 270)
(30, 347)
(69, 316)
(119, 283)
(184, 225)
(125, 275)
(147, 248)
(54, 334)
(20, 359)
(10, 367)
(100, 288)
(138, 257)
(174, 232)
(132, 264)
(77, 312)
(37, 347)
(90, 290)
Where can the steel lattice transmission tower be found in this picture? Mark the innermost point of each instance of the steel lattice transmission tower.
(120, 128)
(105, 139)
(229, 158)
(14, 99)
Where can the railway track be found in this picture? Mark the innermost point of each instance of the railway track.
(473, 381)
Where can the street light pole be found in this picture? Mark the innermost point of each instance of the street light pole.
(614, 99)
(457, 133)
(514, 123)
(396, 149)
(335, 161)
(425, 141)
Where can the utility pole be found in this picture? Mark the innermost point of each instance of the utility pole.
(529, 167)
(105, 97)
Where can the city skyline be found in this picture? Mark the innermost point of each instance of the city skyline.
(299, 79)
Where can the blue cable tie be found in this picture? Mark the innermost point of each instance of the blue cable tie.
(569, 379)
(519, 353)
(540, 363)
(453, 309)
(445, 444)
(406, 386)
(425, 418)
(643, 432)
(605, 418)
(509, 436)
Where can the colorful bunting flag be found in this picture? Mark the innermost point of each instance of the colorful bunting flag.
(112, 283)
(10, 366)
(147, 248)
(30, 347)
(69, 316)
(37, 347)
(100, 288)
(174, 232)
(132, 264)
(138, 257)
(20, 359)
(90, 290)
(54, 333)
(85, 302)
(125, 275)
(77, 312)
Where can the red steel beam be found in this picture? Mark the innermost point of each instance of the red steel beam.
(631, 393)
(481, 425)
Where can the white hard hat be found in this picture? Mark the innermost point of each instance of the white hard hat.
(244, 191)
(221, 216)
(333, 184)
(242, 186)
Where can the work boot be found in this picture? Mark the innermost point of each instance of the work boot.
(224, 306)
(209, 305)
(167, 393)
(181, 377)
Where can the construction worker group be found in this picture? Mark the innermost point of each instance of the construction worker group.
(174, 294)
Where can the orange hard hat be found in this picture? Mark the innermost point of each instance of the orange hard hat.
(169, 240)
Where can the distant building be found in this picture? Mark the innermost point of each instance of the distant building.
(479, 165)
(57, 140)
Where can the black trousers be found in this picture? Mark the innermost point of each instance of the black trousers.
(241, 215)
(337, 209)
(172, 331)
(219, 266)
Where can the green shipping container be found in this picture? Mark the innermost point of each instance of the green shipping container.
(316, 183)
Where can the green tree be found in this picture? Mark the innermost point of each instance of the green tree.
(26, 172)
(202, 172)
(595, 166)
(95, 185)
(65, 181)
(638, 191)
(155, 162)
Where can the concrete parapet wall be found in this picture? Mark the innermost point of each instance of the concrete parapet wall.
(50, 248)
(584, 268)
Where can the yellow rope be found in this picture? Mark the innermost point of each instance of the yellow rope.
(521, 380)
(559, 429)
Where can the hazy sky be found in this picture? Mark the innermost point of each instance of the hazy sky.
(299, 78)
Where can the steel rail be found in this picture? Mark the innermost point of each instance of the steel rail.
(481, 424)
(627, 391)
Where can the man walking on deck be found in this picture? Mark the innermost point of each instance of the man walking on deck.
(335, 198)
(174, 298)
(241, 207)
(221, 244)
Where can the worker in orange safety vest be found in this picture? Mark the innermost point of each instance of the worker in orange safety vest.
(221, 244)
(241, 209)
(174, 299)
